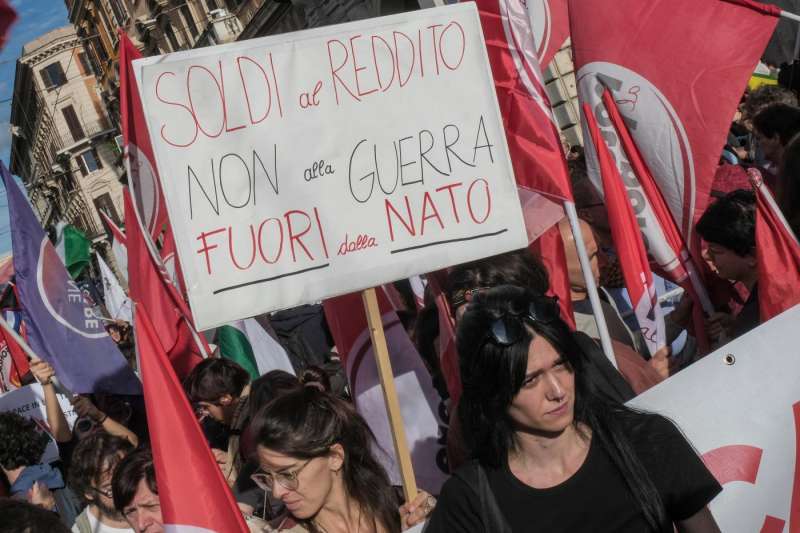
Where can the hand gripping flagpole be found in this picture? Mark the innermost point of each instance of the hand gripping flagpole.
(591, 286)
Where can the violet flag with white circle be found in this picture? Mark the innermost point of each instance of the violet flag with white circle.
(61, 327)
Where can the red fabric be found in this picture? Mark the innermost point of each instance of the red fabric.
(549, 248)
(533, 137)
(149, 287)
(681, 67)
(191, 489)
(680, 271)
(7, 18)
(116, 232)
(629, 244)
(448, 354)
(145, 182)
(19, 360)
(778, 255)
(556, 29)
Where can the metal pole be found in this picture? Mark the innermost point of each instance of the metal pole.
(790, 16)
(591, 287)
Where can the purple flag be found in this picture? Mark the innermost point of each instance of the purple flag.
(61, 327)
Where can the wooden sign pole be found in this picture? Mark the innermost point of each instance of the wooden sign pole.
(381, 351)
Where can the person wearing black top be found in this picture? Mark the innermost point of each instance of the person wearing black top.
(549, 451)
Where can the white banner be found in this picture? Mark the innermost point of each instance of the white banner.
(740, 408)
(29, 402)
(303, 166)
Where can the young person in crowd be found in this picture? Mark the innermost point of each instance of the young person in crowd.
(550, 452)
(316, 456)
(22, 445)
(728, 226)
(773, 128)
(135, 493)
(94, 460)
(787, 190)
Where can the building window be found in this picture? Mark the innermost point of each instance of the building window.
(211, 5)
(119, 12)
(170, 33)
(53, 75)
(68, 181)
(104, 204)
(189, 20)
(83, 63)
(74, 125)
(88, 162)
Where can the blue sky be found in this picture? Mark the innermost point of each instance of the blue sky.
(35, 18)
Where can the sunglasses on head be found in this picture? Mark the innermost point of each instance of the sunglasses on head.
(509, 328)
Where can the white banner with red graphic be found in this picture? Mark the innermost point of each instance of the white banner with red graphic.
(328, 161)
(740, 408)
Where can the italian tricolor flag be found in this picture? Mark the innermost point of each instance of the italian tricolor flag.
(249, 345)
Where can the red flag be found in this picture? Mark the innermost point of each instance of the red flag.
(550, 22)
(192, 492)
(677, 70)
(13, 363)
(629, 244)
(139, 160)
(150, 287)
(549, 248)
(7, 18)
(420, 404)
(448, 356)
(777, 252)
(531, 130)
(675, 262)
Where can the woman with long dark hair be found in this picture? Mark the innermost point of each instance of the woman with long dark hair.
(551, 453)
(315, 455)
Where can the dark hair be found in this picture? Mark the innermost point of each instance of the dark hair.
(492, 375)
(519, 268)
(268, 387)
(731, 222)
(17, 516)
(788, 190)
(214, 377)
(778, 119)
(92, 456)
(135, 467)
(21, 441)
(306, 422)
(765, 96)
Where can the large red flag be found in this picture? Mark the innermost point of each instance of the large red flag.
(139, 160)
(778, 254)
(150, 287)
(531, 130)
(629, 244)
(193, 494)
(420, 404)
(550, 22)
(677, 70)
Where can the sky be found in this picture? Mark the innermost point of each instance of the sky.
(35, 17)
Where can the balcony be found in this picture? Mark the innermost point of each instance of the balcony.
(75, 137)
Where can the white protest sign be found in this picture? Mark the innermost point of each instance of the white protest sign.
(740, 408)
(28, 401)
(308, 165)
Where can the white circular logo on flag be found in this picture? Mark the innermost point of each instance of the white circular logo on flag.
(541, 23)
(144, 182)
(663, 142)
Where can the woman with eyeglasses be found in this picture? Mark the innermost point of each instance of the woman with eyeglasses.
(315, 455)
(549, 452)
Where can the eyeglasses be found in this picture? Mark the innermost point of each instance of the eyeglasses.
(288, 480)
(509, 328)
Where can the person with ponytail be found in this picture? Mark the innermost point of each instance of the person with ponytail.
(549, 452)
(316, 456)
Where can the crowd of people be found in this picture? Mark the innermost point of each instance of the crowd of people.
(540, 437)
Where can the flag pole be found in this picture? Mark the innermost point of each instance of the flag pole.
(381, 351)
(591, 286)
(790, 16)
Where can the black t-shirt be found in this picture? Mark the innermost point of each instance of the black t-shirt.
(595, 498)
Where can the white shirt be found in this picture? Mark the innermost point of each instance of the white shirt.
(98, 527)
